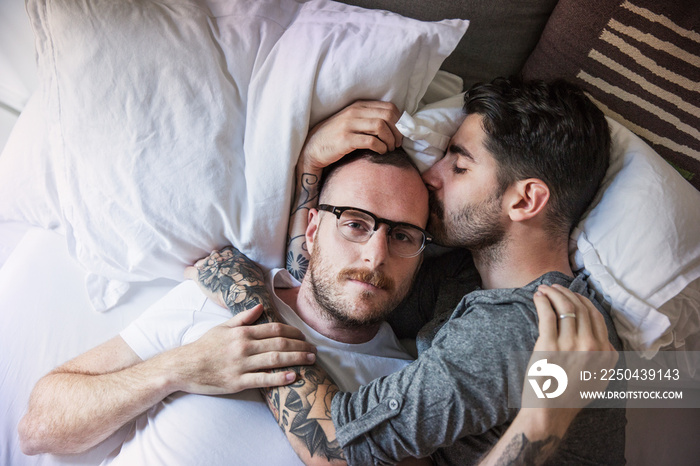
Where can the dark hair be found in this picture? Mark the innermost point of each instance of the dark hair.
(396, 158)
(546, 130)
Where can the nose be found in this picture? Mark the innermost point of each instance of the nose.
(433, 176)
(376, 249)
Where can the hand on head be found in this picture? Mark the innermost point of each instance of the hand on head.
(364, 124)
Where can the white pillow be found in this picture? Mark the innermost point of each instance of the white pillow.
(18, 77)
(173, 127)
(641, 245)
(428, 131)
(27, 186)
(639, 242)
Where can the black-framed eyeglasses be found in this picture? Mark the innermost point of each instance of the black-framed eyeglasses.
(358, 226)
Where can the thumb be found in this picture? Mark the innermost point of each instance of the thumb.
(247, 317)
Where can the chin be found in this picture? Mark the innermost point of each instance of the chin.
(367, 313)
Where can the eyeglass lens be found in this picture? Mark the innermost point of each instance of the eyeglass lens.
(357, 226)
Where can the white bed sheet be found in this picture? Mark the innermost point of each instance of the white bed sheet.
(46, 319)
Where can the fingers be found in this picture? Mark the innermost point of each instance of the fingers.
(591, 329)
(362, 125)
(273, 330)
(583, 316)
(375, 135)
(391, 115)
(564, 305)
(376, 119)
(584, 332)
(547, 323)
(246, 317)
(277, 345)
(278, 360)
(267, 379)
(270, 337)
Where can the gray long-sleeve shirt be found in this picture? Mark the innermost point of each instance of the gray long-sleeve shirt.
(451, 402)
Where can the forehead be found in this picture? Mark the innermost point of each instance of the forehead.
(470, 141)
(387, 191)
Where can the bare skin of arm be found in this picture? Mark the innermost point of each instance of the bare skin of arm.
(82, 402)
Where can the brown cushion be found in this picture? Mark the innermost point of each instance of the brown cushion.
(640, 61)
(500, 37)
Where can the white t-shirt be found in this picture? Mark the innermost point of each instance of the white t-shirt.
(186, 429)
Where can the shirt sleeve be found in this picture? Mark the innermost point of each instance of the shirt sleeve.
(162, 326)
(458, 387)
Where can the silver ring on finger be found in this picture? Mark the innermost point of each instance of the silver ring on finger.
(564, 316)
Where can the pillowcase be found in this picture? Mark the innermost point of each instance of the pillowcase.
(27, 185)
(641, 247)
(18, 75)
(172, 128)
(638, 242)
(428, 131)
(640, 62)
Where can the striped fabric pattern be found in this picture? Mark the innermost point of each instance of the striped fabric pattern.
(639, 60)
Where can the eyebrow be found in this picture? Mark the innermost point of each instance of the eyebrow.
(461, 151)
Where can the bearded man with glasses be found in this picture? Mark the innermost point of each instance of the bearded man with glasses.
(150, 378)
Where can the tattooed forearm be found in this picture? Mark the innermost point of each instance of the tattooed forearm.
(303, 411)
(306, 192)
(297, 263)
(239, 280)
(306, 197)
(521, 451)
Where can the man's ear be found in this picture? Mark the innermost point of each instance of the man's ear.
(313, 218)
(526, 199)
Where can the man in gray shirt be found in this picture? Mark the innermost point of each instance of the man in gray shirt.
(517, 176)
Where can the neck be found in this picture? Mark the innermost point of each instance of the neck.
(520, 259)
(302, 302)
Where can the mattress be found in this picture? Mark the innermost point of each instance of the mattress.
(46, 319)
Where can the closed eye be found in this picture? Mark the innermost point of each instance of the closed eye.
(458, 170)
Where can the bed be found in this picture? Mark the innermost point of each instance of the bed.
(137, 136)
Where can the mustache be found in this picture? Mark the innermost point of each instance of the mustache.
(373, 277)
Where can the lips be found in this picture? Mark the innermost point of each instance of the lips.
(367, 286)
(373, 278)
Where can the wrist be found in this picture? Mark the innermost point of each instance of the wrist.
(168, 368)
(306, 165)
